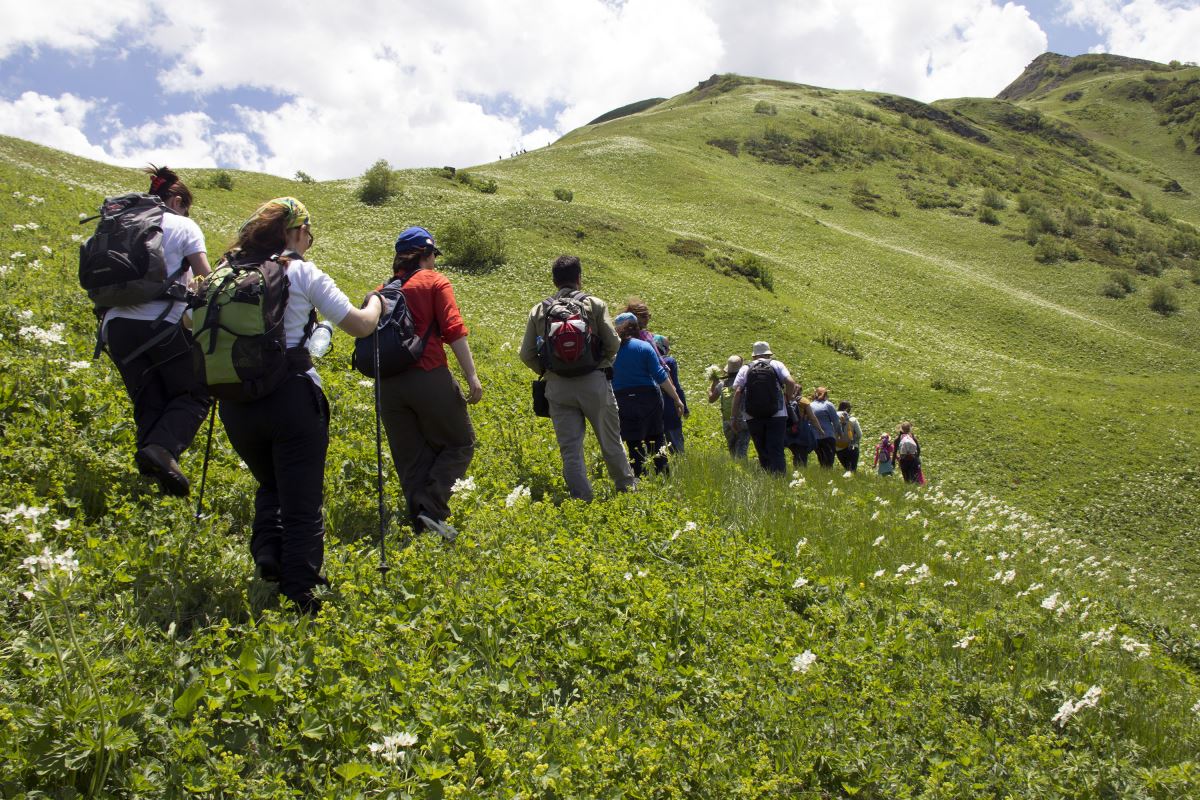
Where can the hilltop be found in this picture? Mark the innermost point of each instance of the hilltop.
(1025, 626)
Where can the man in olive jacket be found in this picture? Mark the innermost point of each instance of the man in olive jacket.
(583, 397)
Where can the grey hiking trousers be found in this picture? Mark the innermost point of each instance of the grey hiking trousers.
(574, 401)
(430, 437)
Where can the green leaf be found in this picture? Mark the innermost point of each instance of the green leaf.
(187, 701)
(354, 769)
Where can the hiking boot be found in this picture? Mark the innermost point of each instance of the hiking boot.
(162, 465)
(268, 571)
(440, 527)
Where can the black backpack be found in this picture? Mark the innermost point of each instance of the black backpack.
(763, 397)
(122, 263)
(570, 347)
(242, 348)
(399, 345)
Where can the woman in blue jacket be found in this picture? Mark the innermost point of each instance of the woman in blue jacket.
(638, 378)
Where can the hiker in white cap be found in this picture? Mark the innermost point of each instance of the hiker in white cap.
(761, 390)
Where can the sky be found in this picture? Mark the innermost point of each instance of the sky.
(329, 88)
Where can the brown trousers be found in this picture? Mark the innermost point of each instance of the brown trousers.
(430, 436)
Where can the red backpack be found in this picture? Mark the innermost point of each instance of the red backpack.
(570, 347)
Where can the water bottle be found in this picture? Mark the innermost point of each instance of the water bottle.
(321, 339)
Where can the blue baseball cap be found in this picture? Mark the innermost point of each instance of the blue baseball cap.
(415, 239)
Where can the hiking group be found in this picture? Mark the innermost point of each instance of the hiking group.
(238, 339)
(763, 403)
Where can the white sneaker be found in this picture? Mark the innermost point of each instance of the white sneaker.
(440, 527)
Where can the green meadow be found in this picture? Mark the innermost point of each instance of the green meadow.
(1020, 279)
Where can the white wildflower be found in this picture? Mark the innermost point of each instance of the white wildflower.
(47, 250)
(878, 540)
(833, 491)
(875, 516)
(517, 495)
(965, 642)
(847, 474)
(879, 573)
(1196, 708)
(921, 574)
(800, 582)
(628, 576)
(31, 226)
(366, 384)
(75, 366)
(51, 336)
(903, 568)
(950, 582)
(463, 485)
(25, 314)
(804, 661)
(1051, 602)
(800, 545)
(796, 484)
(393, 748)
(17, 256)
(82, 215)
(690, 526)
(33, 537)
(61, 524)
(1131, 645)
(18, 228)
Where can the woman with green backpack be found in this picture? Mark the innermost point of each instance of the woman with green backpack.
(282, 431)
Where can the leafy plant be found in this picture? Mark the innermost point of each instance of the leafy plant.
(472, 247)
(987, 216)
(222, 180)
(565, 195)
(378, 184)
(763, 107)
(304, 177)
(840, 342)
(1163, 299)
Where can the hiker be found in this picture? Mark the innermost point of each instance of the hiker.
(639, 309)
(848, 443)
(575, 359)
(153, 351)
(829, 427)
(721, 388)
(638, 379)
(908, 454)
(423, 409)
(801, 438)
(283, 435)
(762, 389)
(672, 422)
(885, 462)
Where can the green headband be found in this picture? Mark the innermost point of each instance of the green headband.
(297, 214)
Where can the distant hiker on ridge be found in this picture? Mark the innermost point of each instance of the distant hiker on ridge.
(570, 340)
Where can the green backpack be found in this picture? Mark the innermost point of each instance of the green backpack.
(241, 348)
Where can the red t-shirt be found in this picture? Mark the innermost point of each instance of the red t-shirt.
(431, 297)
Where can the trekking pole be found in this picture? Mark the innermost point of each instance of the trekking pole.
(207, 450)
(383, 565)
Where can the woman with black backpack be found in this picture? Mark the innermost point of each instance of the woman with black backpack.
(152, 350)
(423, 409)
(283, 436)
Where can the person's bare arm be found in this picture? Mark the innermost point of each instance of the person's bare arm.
(462, 352)
(362, 321)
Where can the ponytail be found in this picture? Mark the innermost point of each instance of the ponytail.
(165, 184)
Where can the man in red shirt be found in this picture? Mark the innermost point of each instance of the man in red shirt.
(423, 408)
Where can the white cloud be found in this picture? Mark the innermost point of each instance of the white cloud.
(473, 80)
(1161, 30)
(927, 49)
(52, 121)
(71, 25)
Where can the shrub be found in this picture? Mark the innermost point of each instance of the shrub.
(1163, 300)
(1172, 186)
(222, 180)
(488, 186)
(379, 183)
(728, 145)
(1120, 283)
(565, 195)
(1025, 203)
(862, 196)
(687, 248)
(1047, 250)
(304, 177)
(988, 217)
(952, 384)
(1078, 215)
(994, 200)
(1113, 290)
(840, 342)
(448, 173)
(763, 107)
(1111, 242)
(472, 248)
(1149, 264)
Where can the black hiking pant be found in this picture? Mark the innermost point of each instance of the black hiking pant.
(826, 452)
(848, 456)
(169, 400)
(283, 438)
(910, 468)
(768, 436)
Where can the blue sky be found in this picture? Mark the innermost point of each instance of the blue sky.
(221, 84)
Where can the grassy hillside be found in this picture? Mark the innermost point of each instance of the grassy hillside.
(1024, 627)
